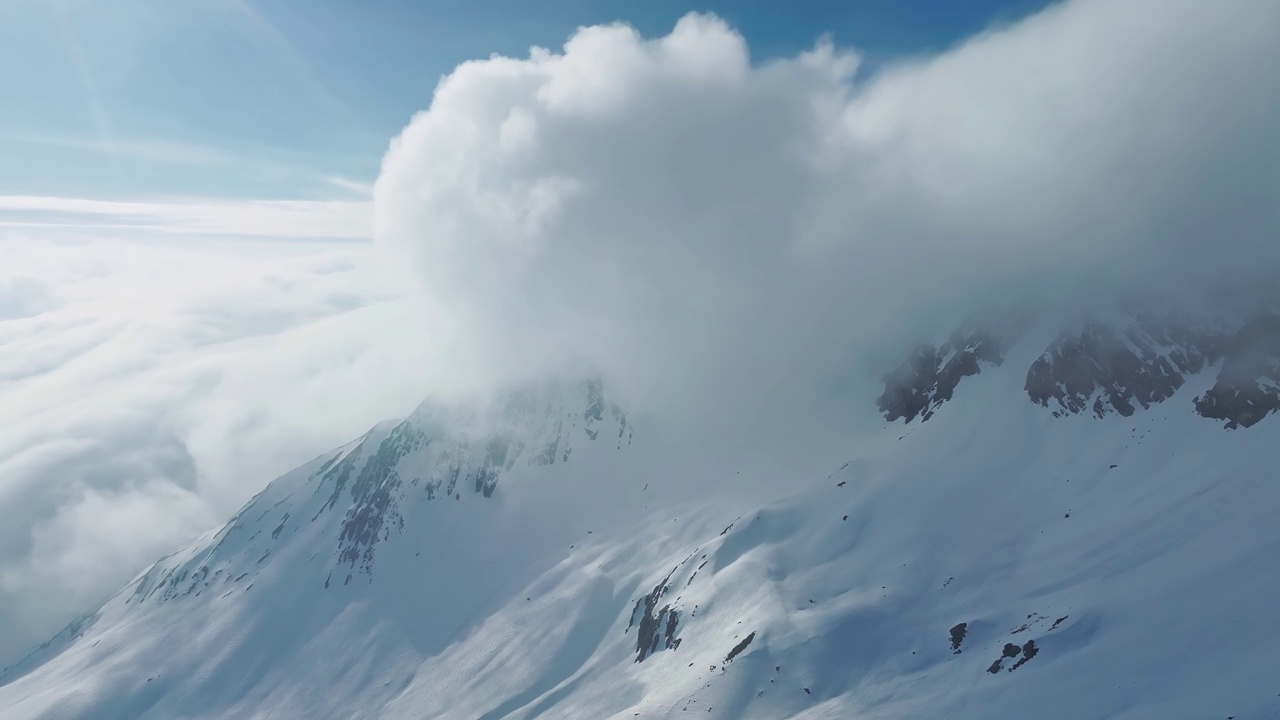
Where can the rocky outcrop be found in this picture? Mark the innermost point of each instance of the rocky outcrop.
(737, 649)
(1129, 363)
(929, 377)
(957, 636)
(1248, 385)
(362, 493)
(1103, 369)
(439, 447)
(656, 627)
(1011, 651)
(373, 512)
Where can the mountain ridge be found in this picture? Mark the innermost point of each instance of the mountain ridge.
(443, 566)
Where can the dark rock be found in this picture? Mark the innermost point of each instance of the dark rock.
(275, 534)
(1248, 386)
(1029, 651)
(373, 497)
(737, 649)
(1101, 370)
(929, 377)
(656, 627)
(957, 636)
(1011, 650)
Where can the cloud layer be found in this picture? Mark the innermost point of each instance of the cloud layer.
(704, 227)
(149, 387)
(284, 219)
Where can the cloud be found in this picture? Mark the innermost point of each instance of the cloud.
(150, 385)
(297, 219)
(355, 186)
(155, 150)
(717, 233)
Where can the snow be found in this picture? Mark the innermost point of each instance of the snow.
(1137, 552)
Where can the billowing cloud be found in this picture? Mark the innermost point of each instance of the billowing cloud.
(695, 223)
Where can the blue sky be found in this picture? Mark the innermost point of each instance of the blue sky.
(288, 99)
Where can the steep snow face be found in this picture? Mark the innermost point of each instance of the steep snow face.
(327, 525)
(530, 558)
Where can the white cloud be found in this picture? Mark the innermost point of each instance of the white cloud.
(156, 150)
(149, 387)
(84, 546)
(299, 219)
(689, 221)
(359, 188)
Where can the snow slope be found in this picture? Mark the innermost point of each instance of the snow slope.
(541, 556)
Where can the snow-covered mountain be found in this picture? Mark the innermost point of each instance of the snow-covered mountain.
(1051, 521)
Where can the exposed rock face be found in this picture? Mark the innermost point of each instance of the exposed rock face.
(957, 636)
(930, 375)
(373, 496)
(1130, 363)
(1101, 370)
(737, 649)
(438, 448)
(444, 451)
(655, 627)
(1028, 651)
(1248, 386)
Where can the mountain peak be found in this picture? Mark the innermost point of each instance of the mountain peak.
(1119, 364)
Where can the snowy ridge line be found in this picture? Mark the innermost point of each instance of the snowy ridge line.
(1064, 548)
(1126, 363)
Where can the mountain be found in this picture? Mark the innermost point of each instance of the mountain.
(1049, 520)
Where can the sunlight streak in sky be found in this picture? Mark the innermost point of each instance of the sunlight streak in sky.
(253, 23)
(80, 61)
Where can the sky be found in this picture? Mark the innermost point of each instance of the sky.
(234, 235)
(284, 99)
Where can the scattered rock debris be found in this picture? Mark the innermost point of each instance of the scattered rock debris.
(1029, 651)
(1011, 650)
